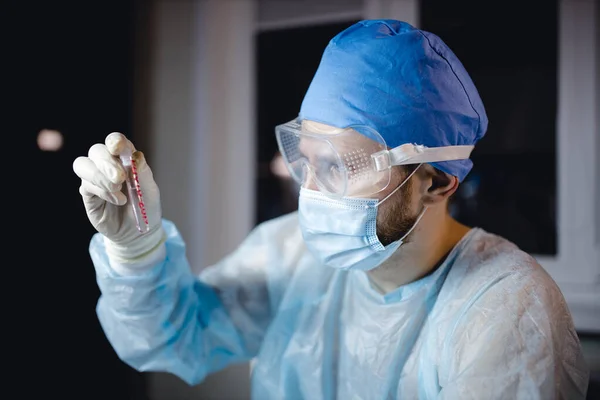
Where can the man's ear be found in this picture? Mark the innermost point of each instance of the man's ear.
(438, 186)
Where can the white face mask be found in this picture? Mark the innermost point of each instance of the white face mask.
(342, 233)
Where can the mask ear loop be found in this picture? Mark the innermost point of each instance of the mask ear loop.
(397, 188)
(420, 215)
(415, 224)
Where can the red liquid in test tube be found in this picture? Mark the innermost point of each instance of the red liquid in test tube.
(134, 192)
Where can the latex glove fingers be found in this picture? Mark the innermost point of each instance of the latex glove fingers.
(103, 182)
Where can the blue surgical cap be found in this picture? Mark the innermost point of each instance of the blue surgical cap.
(401, 81)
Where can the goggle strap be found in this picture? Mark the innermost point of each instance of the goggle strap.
(418, 154)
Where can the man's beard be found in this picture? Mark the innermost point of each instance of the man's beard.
(397, 219)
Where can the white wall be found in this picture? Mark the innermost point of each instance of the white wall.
(597, 102)
(200, 145)
(201, 130)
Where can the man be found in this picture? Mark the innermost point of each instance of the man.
(371, 290)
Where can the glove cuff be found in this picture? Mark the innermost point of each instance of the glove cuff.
(139, 254)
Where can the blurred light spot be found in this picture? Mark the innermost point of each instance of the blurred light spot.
(49, 140)
(278, 167)
(469, 189)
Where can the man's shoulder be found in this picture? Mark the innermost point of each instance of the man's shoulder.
(500, 310)
(486, 254)
(493, 283)
(491, 264)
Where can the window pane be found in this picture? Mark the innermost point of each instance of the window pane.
(510, 51)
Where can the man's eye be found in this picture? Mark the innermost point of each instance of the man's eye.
(326, 165)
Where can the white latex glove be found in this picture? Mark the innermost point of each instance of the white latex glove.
(103, 191)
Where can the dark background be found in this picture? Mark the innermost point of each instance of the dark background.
(70, 68)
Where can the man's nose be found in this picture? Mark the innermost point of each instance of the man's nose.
(309, 179)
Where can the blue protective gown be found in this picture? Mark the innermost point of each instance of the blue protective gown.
(488, 324)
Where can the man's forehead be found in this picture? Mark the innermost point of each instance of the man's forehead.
(319, 127)
(342, 138)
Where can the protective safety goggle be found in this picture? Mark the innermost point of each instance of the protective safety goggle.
(350, 162)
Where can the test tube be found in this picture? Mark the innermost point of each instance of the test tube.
(134, 191)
